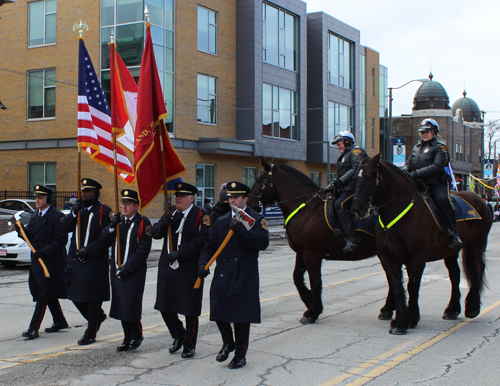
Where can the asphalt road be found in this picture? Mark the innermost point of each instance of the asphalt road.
(346, 346)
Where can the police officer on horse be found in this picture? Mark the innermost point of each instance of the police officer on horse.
(347, 164)
(426, 164)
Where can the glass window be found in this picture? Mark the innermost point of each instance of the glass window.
(130, 43)
(207, 30)
(205, 182)
(42, 94)
(42, 22)
(280, 37)
(362, 102)
(249, 176)
(279, 112)
(340, 61)
(339, 119)
(207, 99)
(128, 11)
(107, 12)
(42, 174)
(316, 177)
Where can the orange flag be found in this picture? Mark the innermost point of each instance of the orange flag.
(150, 113)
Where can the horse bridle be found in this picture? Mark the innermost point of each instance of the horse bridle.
(369, 199)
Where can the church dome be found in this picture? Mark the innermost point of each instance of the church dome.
(470, 109)
(431, 96)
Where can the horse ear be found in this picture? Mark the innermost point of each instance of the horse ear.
(376, 158)
(264, 164)
(273, 161)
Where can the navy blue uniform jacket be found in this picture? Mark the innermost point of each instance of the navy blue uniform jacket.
(126, 299)
(234, 294)
(175, 290)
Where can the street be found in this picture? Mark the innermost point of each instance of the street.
(348, 345)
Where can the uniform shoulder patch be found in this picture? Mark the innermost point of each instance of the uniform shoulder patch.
(148, 230)
(356, 152)
(263, 222)
(443, 148)
(206, 220)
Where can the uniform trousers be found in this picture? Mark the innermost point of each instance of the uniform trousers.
(177, 330)
(94, 314)
(440, 193)
(132, 331)
(241, 336)
(55, 310)
(344, 201)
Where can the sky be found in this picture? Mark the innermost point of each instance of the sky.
(459, 41)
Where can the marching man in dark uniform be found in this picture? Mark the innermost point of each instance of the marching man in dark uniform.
(347, 164)
(128, 271)
(48, 241)
(234, 293)
(87, 269)
(178, 270)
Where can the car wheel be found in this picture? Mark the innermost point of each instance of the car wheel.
(9, 264)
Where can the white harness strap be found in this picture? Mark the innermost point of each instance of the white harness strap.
(127, 246)
(87, 234)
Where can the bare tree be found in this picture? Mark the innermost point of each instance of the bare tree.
(492, 137)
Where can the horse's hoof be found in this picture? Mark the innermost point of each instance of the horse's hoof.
(385, 315)
(307, 320)
(451, 315)
(471, 314)
(412, 324)
(397, 331)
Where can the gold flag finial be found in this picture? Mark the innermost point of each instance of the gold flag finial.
(112, 37)
(80, 26)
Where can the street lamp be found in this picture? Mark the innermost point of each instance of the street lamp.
(389, 152)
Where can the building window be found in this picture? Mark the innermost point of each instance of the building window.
(206, 104)
(340, 61)
(332, 177)
(339, 119)
(373, 82)
(459, 152)
(468, 155)
(373, 133)
(362, 101)
(207, 30)
(42, 174)
(316, 177)
(42, 22)
(280, 37)
(279, 112)
(249, 176)
(205, 182)
(42, 94)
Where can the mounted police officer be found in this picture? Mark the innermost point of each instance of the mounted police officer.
(128, 271)
(427, 163)
(87, 269)
(48, 241)
(178, 269)
(234, 293)
(347, 164)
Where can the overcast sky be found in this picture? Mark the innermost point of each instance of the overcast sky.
(459, 40)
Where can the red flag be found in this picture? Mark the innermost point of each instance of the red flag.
(94, 120)
(123, 100)
(150, 113)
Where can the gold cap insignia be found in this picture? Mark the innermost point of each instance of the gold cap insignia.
(125, 193)
(233, 185)
(179, 186)
(37, 187)
(84, 182)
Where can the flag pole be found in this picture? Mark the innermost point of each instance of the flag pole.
(115, 166)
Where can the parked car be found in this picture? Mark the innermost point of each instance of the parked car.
(14, 205)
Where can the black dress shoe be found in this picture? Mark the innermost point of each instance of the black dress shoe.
(123, 347)
(83, 341)
(135, 343)
(176, 345)
(237, 363)
(30, 334)
(56, 327)
(224, 352)
(188, 353)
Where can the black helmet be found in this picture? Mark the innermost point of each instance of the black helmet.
(429, 124)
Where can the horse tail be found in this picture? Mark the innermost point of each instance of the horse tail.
(474, 263)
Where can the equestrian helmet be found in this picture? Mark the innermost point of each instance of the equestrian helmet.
(429, 124)
(343, 136)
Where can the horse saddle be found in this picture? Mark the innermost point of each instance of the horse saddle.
(463, 210)
(366, 224)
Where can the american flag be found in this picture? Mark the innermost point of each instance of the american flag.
(94, 120)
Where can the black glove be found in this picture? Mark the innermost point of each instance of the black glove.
(122, 273)
(174, 255)
(78, 206)
(167, 220)
(338, 183)
(39, 255)
(235, 225)
(115, 219)
(413, 175)
(202, 272)
(82, 255)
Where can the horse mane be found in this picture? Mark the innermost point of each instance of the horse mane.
(396, 170)
(300, 177)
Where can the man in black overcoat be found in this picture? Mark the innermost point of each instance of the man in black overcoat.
(178, 270)
(48, 241)
(87, 269)
(128, 271)
(234, 293)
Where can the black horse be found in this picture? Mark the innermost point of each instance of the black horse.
(415, 239)
(308, 233)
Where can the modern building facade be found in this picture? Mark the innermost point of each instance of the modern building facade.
(240, 79)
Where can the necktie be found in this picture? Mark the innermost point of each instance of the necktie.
(127, 222)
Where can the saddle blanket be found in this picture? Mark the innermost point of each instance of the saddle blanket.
(463, 210)
(366, 224)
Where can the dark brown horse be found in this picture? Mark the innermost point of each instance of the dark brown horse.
(416, 239)
(308, 233)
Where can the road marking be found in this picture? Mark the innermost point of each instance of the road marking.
(63, 350)
(364, 379)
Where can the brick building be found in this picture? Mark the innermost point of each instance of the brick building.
(241, 80)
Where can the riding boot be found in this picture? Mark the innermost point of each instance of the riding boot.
(347, 225)
(454, 239)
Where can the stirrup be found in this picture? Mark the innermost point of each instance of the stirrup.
(350, 246)
(454, 241)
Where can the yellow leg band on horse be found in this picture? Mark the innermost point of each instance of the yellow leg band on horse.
(396, 219)
(293, 213)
